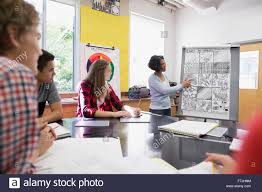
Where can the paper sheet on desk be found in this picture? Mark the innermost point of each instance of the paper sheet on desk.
(96, 156)
(201, 168)
(64, 155)
(133, 166)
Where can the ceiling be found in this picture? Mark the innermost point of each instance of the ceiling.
(196, 4)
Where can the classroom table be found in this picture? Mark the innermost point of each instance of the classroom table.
(144, 139)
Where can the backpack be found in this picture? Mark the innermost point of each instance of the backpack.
(138, 92)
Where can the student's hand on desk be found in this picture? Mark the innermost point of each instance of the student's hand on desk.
(136, 112)
(41, 122)
(186, 84)
(227, 164)
(122, 114)
(46, 140)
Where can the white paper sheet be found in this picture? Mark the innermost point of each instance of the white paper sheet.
(201, 168)
(64, 156)
(236, 145)
(96, 156)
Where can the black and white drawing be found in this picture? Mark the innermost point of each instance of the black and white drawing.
(193, 78)
(222, 61)
(220, 94)
(204, 105)
(221, 67)
(209, 73)
(191, 61)
(190, 92)
(192, 56)
(222, 56)
(190, 68)
(221, 80)
(220, 106)
(206, 56)
(204, 93)
(189, 104)
(206, 61)
(205, 80)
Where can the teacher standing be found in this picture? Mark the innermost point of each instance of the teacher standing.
(160, 89)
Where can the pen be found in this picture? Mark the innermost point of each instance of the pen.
(52, 130)
(213, 168)
(53, 127)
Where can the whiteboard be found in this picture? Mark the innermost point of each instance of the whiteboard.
(214, 76)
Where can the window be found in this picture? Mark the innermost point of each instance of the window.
(60, 41)
(60, 28)
(145, 41)
(249, 62)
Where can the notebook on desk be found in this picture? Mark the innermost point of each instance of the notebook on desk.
(189, 128)
(60, 131)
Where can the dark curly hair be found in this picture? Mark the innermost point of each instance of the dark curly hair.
(154, 62)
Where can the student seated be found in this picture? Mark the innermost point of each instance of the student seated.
(47, 91)
(160, 89)
(22, 139)
(249, 159)
(96, 97)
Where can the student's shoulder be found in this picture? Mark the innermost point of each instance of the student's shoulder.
(152, 77)
(12, 69)
(52, 85)
(48, 86)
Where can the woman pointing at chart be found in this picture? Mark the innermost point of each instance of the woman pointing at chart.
(160, 89)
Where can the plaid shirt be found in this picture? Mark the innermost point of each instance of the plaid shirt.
(19, 132)
(87, 101)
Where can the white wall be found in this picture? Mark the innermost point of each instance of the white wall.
(149, 9)
(234, 21)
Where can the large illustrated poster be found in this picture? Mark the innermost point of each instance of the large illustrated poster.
(89, 54)
(209, 70)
